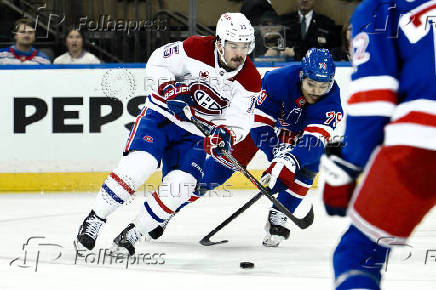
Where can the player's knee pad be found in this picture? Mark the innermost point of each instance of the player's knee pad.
(358, 261)
(177, 187)
(137, 167)
(121, 184)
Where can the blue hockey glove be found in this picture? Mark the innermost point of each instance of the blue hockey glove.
(177, 97)
(280, 174)
(339, 180)
(220, 138)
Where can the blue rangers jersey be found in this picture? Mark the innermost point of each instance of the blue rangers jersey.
(393, 100)
(11, 55)
(283, 115)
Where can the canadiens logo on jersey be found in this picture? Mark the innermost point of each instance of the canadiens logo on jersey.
(208, 101)
(148, 139)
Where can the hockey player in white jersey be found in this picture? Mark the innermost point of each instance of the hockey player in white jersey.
(216, 79)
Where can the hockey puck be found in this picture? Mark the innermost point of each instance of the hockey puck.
(246, 265)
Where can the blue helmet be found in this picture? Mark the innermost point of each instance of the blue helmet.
(318, 65)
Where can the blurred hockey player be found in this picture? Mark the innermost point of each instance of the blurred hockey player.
(216, 79)
(390, 136)
(295, 115)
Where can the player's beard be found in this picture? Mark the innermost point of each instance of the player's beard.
(237, 61)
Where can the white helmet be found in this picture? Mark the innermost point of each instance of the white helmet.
(235, 27)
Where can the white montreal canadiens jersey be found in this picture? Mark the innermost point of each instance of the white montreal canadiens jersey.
(221, 97)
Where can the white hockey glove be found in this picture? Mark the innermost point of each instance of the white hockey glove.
(281, 173)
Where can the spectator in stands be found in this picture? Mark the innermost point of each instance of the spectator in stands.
(344, 51)
(257, 10)
(263, 17)
(23, 52)
(75, 54)
(307, 29)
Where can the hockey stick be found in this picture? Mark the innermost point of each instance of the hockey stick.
(205, 241)
(301, 223)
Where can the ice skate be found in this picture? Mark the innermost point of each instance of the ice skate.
(88, 231)
(275, 228)
(124, 243)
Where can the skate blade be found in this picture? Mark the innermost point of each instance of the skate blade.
(81, 250)
(272, 241)
(117, 251)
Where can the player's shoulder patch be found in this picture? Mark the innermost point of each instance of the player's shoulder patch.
(249, 77)
(171, 49)
(200, 48)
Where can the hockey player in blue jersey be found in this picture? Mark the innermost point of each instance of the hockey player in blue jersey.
(295, 115)
(390, 138)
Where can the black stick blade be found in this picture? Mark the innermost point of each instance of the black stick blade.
(306, 221)
(206, 242)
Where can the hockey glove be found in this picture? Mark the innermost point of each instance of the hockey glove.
(220, 138)
(339, 180)
(177, 97)
(280, 174)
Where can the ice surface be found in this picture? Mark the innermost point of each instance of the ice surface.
(302, 262)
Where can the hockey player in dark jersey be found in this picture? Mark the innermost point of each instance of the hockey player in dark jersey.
(390, 136)
(295, 115)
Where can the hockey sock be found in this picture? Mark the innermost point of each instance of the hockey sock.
(115, 191)
(215, 175)
(291, 202)
(358, 261)
(176, 189)
(120, 186)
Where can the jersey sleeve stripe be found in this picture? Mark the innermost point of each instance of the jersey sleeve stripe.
(420, 105)
(378, 108)
(159, 98)
(263, 114)
(263, 120)
(410, 134)
(385, 95)
(328, 129)
(374, 83)
(319, 131)
(417, 118)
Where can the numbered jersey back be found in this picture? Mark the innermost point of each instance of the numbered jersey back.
(396, 40)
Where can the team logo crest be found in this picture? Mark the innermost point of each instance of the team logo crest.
(323, 65)
(208, 101)
(148, 139)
